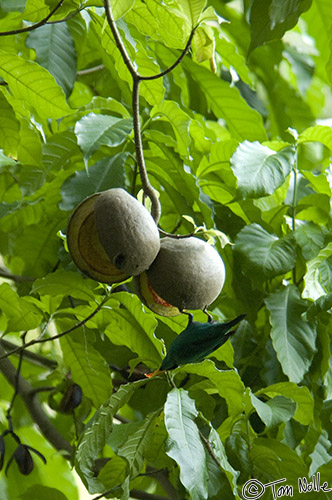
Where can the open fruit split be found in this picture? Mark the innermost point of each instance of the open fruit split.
(111, 236)
(187, 273)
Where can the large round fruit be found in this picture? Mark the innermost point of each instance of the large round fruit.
(111, 236)
(187, 273)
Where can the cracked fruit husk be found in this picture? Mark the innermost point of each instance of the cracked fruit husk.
(187, 273)
(111, 236)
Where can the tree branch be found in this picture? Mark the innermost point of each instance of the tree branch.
(25, 390)
(33, 26)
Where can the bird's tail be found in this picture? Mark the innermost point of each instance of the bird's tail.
(235, 321)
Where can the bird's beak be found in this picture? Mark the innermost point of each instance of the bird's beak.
(153, 374)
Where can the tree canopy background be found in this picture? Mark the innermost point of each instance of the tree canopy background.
(237, 142)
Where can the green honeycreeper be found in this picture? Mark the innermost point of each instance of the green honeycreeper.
(196, 342)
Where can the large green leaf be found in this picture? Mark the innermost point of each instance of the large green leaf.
(192, 9)
(260, 170)
(293, 339)
(96, 433)
(9, 127)
(179, 121)
(121, 7)
(301, 395)
(126, 322)
(269, 19)
(135, 445)
(40, 491)
(184, 444)
(66, 283)
(227, 383)
(61, 151)
(34, 85)
(103, 175)
(55, 51)
(265, 252)
(318, 278)
(226, 103)
(163, 24)
(275, 411)
(94, 131)
(20, 313)
(318, 133)
(87, 367)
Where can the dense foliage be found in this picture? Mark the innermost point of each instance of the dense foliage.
(237, 141)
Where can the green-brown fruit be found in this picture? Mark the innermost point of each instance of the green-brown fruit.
(127, 231)
(188, 273)
(111, 236)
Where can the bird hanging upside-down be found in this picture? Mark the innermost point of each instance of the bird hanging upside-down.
(196, 342)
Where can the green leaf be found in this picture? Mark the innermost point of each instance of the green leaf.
(301, 395)
(136, 443)
(272, 461)
(126, 322)
(34, 85)
(270, 19)
(94, 131)
(227, 383)
(220, 453)
(265, 252)
(275, 411)
(9, 127)
(113, 473)
(88, 369)
(65, 283)
(260, 170)
(242, 121)
(103, 175)
(310, 237)
(293, 339)
(322, 304)
(180, 122)
(166, 25)
(184, 444)
(20, 313)
(55, 51)
(60, 151)
(42, 492)
(320, 455)
(318, 278)
(96, 433)
(192, 9)
(121, 7)
(318, 133)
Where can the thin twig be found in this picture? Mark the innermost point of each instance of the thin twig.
(118, 40)
(137, 78)
(33, 406)
(210, 450)
(147, 188)
(88, 71)
(33, 26)
(176, 63)
(14, 277)
(55, 337)
(33, 357)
